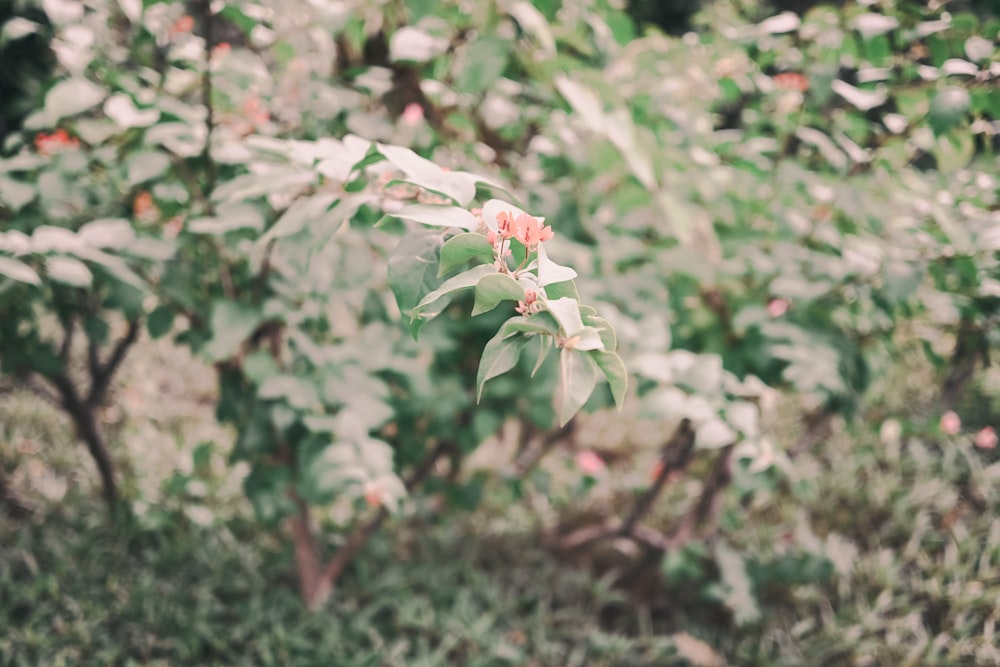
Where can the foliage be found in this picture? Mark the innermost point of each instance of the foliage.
(757, 208)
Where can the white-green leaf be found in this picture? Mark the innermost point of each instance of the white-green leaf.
(15, 194)
(415, 45)
(549, 272)
(19, 271)
(567, 313)
(577, 379)
(714, 434)
(147, 165)
(617, 375)
(68, 271)
(438, 216)
(107, 233)
(534, 23)
(70, 97)
(122, 110)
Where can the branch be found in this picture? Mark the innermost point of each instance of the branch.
(100, 376)
(206, 95)
(69, 328)
(674, 456)
(363, 533)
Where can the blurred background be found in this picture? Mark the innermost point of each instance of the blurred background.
(220, 443)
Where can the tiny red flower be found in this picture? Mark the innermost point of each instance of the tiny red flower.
(792, 81)
(183, 24)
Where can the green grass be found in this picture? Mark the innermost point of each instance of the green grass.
(868, 551)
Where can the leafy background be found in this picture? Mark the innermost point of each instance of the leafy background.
(787, 214)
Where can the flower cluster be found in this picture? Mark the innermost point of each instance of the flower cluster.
(527, 229)
(47, 144)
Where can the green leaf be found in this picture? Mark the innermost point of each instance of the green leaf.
(438, 216)
(70, 97)
(544, 345)
(494, 288)
(577, 379)
(413, 271)
(231, 325)
(560, 290)
(549, 272)
(462, 281)
(461, 248)
(18, 271)
(296, 391)
(614, 370)
(484, 62)
(147, 165)
(499, 356)
(15, 194)
(107, 233)
(606, 331)
(539, 323)
(420, 171)
(567, 313)
(68, 271)
(160, 321)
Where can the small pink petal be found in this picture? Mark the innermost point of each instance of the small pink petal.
(589, 462)
(951, 423)
(777, 307)
(413, 114)
(987, 438)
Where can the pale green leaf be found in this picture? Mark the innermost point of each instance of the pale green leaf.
(499, 356)
(614, 370)
(577, 379)
(19, 271)
(494, 288)
(438, 216)
(68, 271)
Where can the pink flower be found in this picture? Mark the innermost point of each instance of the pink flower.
(987, 438)
(589, 462)
(530, 231)
(413, 114)
(777, 307)
(951, 423)
(527, 306)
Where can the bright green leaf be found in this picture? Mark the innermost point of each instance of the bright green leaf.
(494, 288)
(461, 248)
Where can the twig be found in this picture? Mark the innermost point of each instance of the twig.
(69, 328)
(675, 456)
(206, 95)
(101, 374)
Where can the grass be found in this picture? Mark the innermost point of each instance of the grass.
(873, 550)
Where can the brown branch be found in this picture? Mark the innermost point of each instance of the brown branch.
(100, 375)
(708, 504)
(206, 95)
(675, 455)
(87, 429)
(69, 328)
(526, 463)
